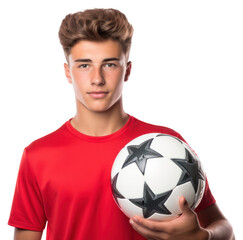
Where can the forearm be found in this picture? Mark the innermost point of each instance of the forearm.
(220, 230)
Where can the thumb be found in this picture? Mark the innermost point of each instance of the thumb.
(184, 205)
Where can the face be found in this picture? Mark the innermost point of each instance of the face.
(97, 71)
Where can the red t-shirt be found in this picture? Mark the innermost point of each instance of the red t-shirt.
(64, 180)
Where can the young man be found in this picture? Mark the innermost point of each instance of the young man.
(64, 177)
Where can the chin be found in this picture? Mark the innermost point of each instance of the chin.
(101, 107)
(98, 109)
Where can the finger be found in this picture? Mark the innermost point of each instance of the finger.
(144, 231)
(184, 205)
(154, 226)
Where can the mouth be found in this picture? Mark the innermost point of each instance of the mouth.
(98, 94)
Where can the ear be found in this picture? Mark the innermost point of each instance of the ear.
(128, 71)
(67, 73)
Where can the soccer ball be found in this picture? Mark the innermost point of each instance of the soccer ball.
(152, 172)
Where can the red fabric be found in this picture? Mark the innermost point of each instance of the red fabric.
(64, 179)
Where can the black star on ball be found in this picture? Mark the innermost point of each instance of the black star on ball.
(190, 170)
(152, 203)
(115, 191)
(140, 154)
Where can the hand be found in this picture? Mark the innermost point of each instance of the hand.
(185, 226)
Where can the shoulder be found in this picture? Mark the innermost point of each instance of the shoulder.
(145, 127)
(44, 150)
(50, 140)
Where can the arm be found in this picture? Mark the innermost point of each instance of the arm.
(215, 223)
(22, 234)
(27, 207)
(209, 224)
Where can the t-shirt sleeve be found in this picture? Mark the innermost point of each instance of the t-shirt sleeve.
(27, 210)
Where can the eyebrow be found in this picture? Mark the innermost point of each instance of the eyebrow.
(89, 60)
(111, 59)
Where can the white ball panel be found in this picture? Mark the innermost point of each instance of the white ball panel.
(185, 190)
(119, 161)
(161, 174)
(130, 182)
(162, 217)
(168, 146)
(129, 208)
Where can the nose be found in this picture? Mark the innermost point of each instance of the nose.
(97, 77)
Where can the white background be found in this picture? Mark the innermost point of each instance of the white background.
(187, 72)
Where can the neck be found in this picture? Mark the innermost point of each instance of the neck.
(99, 123)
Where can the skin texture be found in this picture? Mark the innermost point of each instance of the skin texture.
(21, 234)
(102, 68)
(97, 71)
(208, 224)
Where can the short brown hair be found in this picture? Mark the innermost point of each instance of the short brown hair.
(95, 25)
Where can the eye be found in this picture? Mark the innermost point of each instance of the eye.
(83, 66)
(110, 65)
